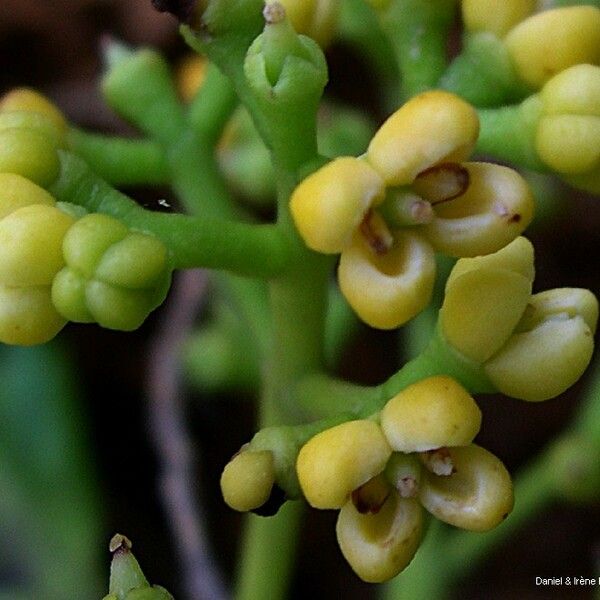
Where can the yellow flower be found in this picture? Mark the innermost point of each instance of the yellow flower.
(530, 347)
(410, 195)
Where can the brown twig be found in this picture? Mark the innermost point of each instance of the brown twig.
(176, 455)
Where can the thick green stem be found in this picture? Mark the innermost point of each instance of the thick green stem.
(418, 32)
(121, 161)
(268, 554)
(245, 249)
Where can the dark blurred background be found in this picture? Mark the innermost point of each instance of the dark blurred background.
(54, 46)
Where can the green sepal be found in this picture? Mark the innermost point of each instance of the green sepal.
(156, 592)
(125, 571)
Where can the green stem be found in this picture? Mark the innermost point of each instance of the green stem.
(268, 554)
(508, 133)
(121, 161)
(257, 250)
(483, 73)
(212, 106)
(418, 31)
(322, 396)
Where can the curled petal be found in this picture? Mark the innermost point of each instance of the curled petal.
(330, 204)
(389, 289)
(516, 257)
(493, 16)
(495, 208)
(481, 309)
(431, 128)
(477, 496)
(335, 462)
(544, 362)
(432, 413)
(551, 41)
(378, 546)
(569, 302)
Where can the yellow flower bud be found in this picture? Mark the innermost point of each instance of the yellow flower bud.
(481, 309)
(18, 192)
(29, 153)
(432, 413)
(24, 99)
(477, 496)
(386, 290)
(496, 17)
(378, 546)
(330, 204)
(335, 462)
(247, 480)
(553, 40)
(550, 349)
(27, 316)
(20, 119)
(431, 128)
(568, 134)
(495, 208)
(31, 245)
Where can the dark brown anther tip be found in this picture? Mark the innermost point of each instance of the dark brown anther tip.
(181, 9)
(119, 543)
(271, 507)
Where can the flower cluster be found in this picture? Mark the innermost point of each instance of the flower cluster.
(379, 472)
(539, 45)
(411, 194)
(531, 347)
(56, 264)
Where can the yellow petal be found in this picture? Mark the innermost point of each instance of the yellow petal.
(432, 413)
(544, 362)
(553, 40)
(378, 546)
(574, 91)
(496, 17)
(477, 496)
(495, 208)
(388, 290)
(330, 204)
(431, 128)
(333, 463)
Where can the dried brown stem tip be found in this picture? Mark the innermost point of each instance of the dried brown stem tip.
(273, 13)
(119, 543)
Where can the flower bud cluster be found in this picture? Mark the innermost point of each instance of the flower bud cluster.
(539, 45)
(410, 195)
(380, 472)
(54, 267)
(531, 347)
